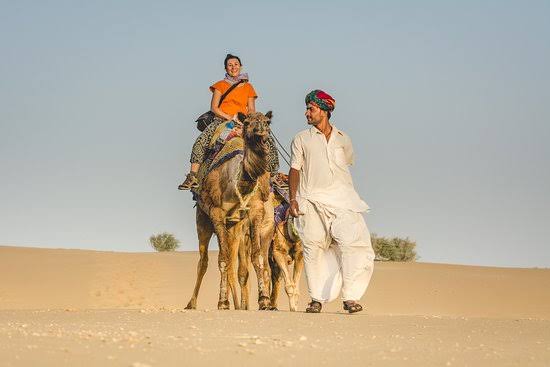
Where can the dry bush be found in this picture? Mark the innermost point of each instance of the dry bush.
(164, 242)
(393, 249)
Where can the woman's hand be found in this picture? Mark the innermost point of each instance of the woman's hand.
(236, 120)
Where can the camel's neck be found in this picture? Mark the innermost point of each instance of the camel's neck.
(255, 162)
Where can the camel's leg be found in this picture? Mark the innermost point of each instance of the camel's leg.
(290, 289)
(275, 291)
(276, 278)
(298, 267)
(265, 242)
(244, 255)
(259, 260)
(233, 244)
(218, 215)
(204, 233)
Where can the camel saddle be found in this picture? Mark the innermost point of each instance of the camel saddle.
(225, 144)
(281, 203)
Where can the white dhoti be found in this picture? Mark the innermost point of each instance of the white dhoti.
(338, 254)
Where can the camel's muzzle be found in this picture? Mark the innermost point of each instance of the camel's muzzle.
(261, 131)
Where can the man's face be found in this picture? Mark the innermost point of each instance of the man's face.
(314, 114)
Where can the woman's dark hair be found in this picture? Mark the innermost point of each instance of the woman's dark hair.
(229, 57)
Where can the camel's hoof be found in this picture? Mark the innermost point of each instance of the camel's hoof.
(273, 308)
(264, 303)
(223, 305)
(191, 306)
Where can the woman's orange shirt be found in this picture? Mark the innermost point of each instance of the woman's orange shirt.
(237, 100)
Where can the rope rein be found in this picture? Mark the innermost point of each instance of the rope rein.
(285, 158)
(243, 200)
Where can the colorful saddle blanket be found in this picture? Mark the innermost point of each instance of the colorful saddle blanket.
(279, 184)
(281, 201)
(225, 144)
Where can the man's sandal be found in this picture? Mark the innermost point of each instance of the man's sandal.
(352, 306)
(314, 307)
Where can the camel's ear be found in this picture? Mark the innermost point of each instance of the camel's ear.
(241, 116)
(269, 115)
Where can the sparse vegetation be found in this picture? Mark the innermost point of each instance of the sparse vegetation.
(164, 242)
(393, 249)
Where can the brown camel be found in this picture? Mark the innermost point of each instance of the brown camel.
(238, 188)
(285, 249)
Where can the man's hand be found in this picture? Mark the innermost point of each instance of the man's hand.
(295, 208)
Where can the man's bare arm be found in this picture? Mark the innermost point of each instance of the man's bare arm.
(293, 181)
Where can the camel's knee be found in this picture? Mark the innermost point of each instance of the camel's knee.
(290, 289)
(243, 279)
(222, 265)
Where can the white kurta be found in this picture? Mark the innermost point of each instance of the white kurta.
(338, 254)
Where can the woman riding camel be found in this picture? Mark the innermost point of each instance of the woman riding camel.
(240, 99)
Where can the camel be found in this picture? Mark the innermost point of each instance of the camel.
(285, 249)
(239, 185)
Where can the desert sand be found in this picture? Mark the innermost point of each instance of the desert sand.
(89, 308)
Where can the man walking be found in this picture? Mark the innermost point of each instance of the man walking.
(338, 254)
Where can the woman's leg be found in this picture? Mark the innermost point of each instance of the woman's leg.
(198, 154)
(195, 167)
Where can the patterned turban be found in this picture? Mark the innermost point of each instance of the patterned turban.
(321, 99)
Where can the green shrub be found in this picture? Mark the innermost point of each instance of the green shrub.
(393, 249)
(164, 242)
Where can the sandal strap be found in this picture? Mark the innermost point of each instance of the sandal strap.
(352, 306)
(314, 307)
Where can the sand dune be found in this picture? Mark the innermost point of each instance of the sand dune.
(77, 279)
(76, 307)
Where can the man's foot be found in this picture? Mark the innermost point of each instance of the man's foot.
(352, 306)
(314, 307)
(191, 182)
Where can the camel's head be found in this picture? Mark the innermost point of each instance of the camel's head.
(256, 128)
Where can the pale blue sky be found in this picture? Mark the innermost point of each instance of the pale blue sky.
(447, 103)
